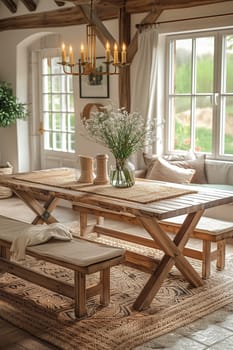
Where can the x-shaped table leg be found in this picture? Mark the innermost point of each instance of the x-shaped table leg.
(43, 212)
(173, 256)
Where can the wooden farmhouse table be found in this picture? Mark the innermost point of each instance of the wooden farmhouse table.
(144, 204)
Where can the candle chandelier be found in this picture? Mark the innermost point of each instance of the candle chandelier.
(86, 64)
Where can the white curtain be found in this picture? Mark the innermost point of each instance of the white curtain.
(143, 96)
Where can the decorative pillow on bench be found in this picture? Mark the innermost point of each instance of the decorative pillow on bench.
(187, 161)
(165, 171)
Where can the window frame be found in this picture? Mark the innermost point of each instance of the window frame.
(218, 117)
(52, 53)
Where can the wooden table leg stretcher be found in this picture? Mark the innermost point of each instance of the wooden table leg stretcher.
(42, 211)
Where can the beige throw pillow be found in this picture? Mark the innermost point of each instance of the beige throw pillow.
(164, 171)
(149, 158)
(197, 164)
(189, 160)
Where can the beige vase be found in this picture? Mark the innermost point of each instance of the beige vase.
(86, 169)
(101, 170)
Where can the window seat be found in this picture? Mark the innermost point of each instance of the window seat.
(217, 175)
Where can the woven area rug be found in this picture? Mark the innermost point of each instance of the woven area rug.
(50, 316)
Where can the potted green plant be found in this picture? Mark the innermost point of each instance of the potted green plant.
(10, 108)
(10, 111)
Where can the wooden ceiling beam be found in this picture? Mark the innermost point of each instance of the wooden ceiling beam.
(101, 31)
(30, 5)
(173, 4)
(124, 77)
(73, 15)
(58, 18)
(134, 6)
(11, 5)
(102, 3)
(137, 6)
(59, 3)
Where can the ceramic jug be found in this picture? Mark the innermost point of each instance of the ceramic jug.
(86, 169)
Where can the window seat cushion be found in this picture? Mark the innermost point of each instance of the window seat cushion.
(189, 160)
(162, 170)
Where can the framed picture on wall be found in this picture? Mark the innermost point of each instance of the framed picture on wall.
(95, 86)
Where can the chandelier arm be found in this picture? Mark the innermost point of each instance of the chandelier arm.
(82, 71)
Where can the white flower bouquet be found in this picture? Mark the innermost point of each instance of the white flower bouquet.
(122, 133)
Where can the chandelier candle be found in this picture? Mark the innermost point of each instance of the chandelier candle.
(107, 52)
(82, 54)
(115, 56)
(63, 54)
(123, 54)
(71, 56)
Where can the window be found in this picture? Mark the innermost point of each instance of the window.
(58, 107)
(200, 94)
(227, 96)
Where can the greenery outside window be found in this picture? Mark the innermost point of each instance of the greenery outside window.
(200, 93)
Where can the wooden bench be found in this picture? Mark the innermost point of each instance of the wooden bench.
(80, 255)
(209, 231)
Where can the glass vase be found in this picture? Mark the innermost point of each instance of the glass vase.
(122, 174)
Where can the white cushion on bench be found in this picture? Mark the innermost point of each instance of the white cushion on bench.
(77, 252)
(38, 234)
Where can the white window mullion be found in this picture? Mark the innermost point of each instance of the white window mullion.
(172, 90)
(221, 123)
(193, 94)
(217, 100)
(169, 130)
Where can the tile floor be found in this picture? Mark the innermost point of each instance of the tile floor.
(214, 331)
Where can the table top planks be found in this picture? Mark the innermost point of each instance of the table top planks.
(161, 209)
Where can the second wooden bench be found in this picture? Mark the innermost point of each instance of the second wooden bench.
(209, 231)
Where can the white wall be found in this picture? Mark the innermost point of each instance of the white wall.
(14, 58)
(13, 140)
(8, 57)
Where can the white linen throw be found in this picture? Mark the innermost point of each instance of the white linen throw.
(36, 235)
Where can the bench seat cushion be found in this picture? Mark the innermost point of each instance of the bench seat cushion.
(76, 252)
(11, 229)
(207, 224)
(219, 187)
